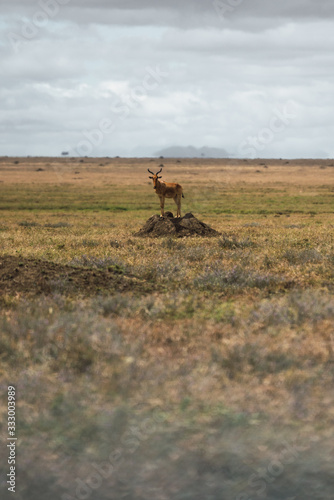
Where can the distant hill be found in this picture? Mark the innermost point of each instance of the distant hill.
(192, 152)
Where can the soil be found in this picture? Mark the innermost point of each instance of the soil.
(34, 277)
(187, 225)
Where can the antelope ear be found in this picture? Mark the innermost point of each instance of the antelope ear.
(159, 176)
(150, 177)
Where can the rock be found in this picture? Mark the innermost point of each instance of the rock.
(187, 225)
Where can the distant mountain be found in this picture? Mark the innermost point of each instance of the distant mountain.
(192, 152)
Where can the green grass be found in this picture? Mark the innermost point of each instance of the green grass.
(206, 201)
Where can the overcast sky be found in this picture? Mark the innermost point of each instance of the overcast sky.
(130, 77)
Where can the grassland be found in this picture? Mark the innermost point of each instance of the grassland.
(197, 368)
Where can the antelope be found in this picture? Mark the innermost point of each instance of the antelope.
(167, 190)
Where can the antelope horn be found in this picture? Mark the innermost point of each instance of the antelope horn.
(150, 171)
(159, 171)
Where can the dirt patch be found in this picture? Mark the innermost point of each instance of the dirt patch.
(187, 225)
(34, 277)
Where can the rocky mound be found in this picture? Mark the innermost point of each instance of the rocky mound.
(187, 225)
(34, 277)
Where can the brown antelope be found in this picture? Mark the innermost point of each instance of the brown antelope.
(167, 190)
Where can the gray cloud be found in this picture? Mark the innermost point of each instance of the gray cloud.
(189, 13)
(224, 77)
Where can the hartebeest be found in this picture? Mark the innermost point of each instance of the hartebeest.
(167, 190)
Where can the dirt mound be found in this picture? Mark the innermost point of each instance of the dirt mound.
(187, 225)
(34, 277)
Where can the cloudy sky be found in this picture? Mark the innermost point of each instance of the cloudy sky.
(130, 77)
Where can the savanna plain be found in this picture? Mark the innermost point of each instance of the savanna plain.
(168, 368)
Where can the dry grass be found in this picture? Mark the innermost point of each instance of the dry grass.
(215, 381)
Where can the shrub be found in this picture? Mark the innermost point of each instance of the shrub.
(251, 357)
(99, 263)
(221, 279)
(233, 243)
(166, 270)
(57, 225)
(294, 226)
(90, 243)
(252, 224)
(172, 244)
(303, 257)
(28, 224)
(196, 254)
(72, 341)
(296, 308)
(119, 305)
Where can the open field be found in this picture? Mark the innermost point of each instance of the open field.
(197, 368)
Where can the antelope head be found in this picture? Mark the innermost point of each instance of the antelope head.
(155, 177)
